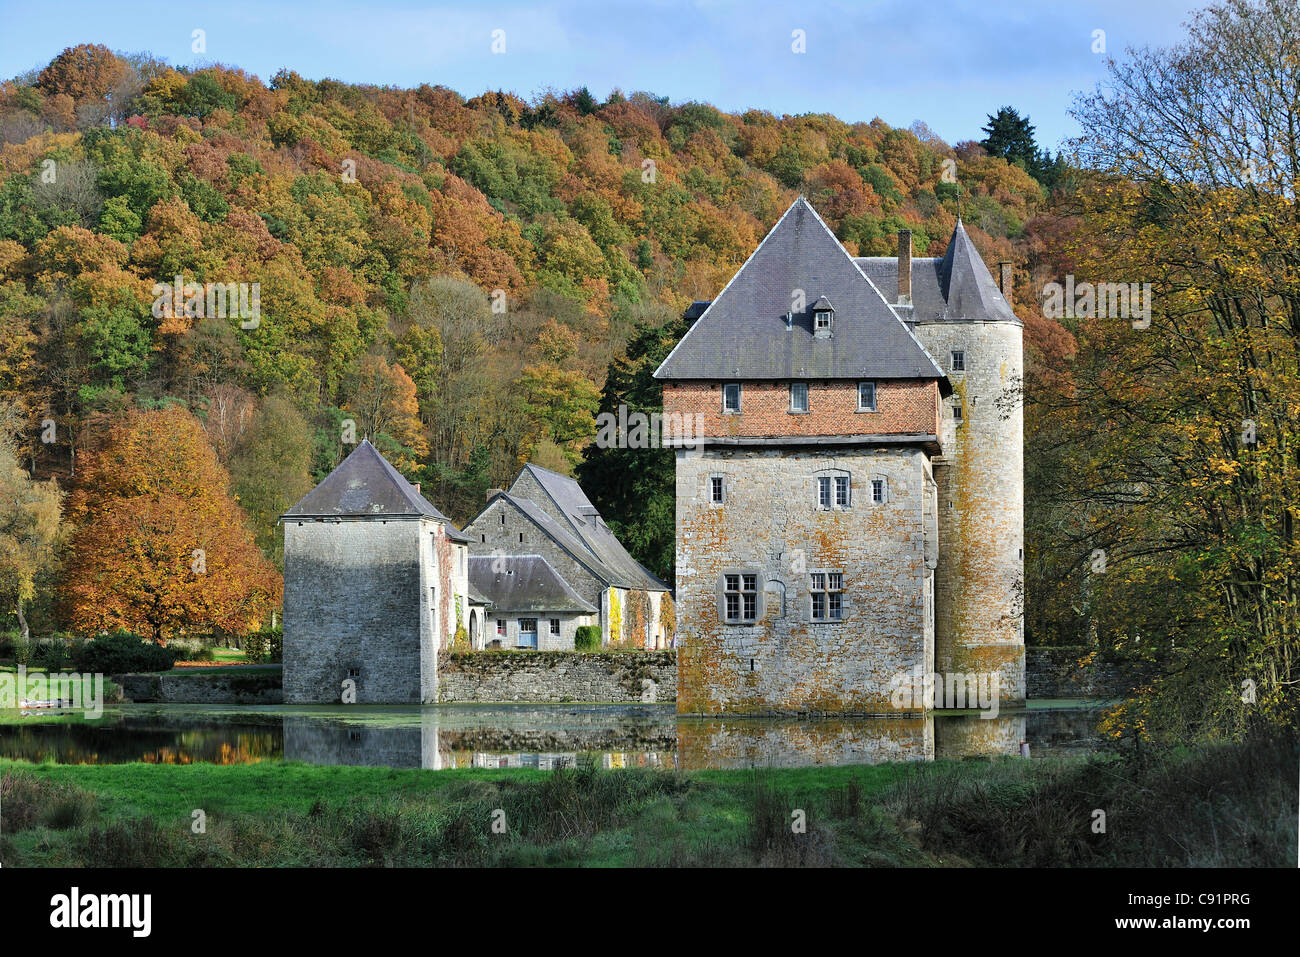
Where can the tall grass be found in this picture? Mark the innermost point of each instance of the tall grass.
(1222, 805)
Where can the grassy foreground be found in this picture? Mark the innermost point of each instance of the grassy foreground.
(1225, 805)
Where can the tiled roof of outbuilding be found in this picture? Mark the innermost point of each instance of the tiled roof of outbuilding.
(517, 583)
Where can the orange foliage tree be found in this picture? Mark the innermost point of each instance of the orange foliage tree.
(160, 543)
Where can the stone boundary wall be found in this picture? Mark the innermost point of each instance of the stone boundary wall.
(1055, 673)
(558, 676)
(234, 687)
(617, 677)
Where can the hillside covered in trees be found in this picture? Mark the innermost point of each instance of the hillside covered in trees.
(453, 275)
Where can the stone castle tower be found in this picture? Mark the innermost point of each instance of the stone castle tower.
(852, 515)
(375, 584)
(963, 318)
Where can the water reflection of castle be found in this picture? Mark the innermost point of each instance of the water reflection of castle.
(684, 743)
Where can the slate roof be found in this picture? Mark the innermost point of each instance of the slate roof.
(743, 335)
(584, 524)
(516, 583)
(365, 484)
(562, 535)
(955, 288)
(928, 303)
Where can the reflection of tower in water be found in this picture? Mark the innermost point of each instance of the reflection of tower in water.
(970, 736)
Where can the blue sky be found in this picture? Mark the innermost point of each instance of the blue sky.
(947, 63)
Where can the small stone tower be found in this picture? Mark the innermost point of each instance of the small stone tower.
(965, 321)
(375, 584)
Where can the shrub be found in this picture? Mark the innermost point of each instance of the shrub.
(123, 651)
(587, 638)
(191, 649)
(50, 653)
(7, 639)
(264, 646)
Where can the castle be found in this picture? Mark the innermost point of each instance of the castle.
(852, 519)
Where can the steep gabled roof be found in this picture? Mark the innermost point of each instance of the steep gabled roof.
(584, 520)
(561, 534)
(516, 583)
(743, 333)
(365, 484)
(955, 288)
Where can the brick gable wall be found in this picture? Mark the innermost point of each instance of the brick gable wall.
(903, 407)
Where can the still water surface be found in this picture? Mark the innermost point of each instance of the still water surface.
(541, 736)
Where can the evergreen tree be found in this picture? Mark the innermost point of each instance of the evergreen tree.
(636, 488)
(1011, 136)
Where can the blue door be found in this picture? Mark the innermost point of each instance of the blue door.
(527, 632)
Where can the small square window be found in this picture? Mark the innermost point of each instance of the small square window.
(501, 626)
(717, 489)
(956, 411)
(354, 672)
(866, 397)
(822, 320)
(555, 626)
(731, 397)
(877, 490)
(958, 360)
(798, 396)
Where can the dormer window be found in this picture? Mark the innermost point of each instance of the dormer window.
(823, 317)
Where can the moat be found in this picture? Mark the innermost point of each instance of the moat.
(539, 736)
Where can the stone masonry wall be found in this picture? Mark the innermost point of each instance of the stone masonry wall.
(979, 582)
(558, 676)
(1057, 673)
(904, 406)
(770, 525)
(234, 687)
(357, 596)
(490, 533)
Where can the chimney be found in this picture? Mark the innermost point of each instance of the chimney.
(417, 488)
(492, 492)
(1004, 281)
(904, 267)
